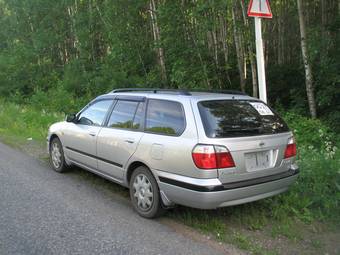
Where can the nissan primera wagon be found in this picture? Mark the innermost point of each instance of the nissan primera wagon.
(202, 150)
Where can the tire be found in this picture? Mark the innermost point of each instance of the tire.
(144, 193)
(57, 157)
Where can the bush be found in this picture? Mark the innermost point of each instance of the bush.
(316, 195)
(56, 100)
(311, 133)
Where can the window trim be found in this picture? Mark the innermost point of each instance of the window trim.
(92, 103)
(140, 129)
(155, 133)
(142, 118)
(131, 98)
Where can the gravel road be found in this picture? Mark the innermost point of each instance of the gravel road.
(43, 212)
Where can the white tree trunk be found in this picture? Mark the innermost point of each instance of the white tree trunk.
(72, 10)
(239, 48)
(157, 37)
(306, 63)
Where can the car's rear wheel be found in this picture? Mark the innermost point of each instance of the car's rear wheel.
(57, 156)
(144, 193)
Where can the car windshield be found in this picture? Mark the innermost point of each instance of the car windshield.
(234, 118)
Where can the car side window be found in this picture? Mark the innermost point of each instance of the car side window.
(123, 115)
(95, 113)
(165, 117)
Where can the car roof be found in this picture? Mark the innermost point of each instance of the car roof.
(172, 95)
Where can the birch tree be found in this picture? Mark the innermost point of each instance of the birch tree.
(157, 39)
(239, 47)
(306, 62)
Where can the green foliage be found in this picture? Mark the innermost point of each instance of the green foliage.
(311, 133)
(284, 88)
(56, 100)
(84, 48)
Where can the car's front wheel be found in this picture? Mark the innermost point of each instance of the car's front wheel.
(144, 193)
(57, 156)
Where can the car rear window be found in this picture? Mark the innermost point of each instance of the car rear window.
(235, 118)
(165, 117)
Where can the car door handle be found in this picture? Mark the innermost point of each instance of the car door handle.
(129, 141)
(92, 134)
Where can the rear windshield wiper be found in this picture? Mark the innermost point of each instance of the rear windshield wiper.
(242, 129)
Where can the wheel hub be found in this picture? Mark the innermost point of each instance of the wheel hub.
(56, 155)
(143, 192)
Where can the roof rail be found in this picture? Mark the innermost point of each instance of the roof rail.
(178, 91)
(222, 91)
(170, 91)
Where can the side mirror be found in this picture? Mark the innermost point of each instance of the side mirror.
(71, 117)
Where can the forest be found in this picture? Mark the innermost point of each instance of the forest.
(77, 49)
(55, 56)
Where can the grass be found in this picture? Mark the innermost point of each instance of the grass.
(245, 242)
(19, 123)
(287, 229)
(314, 198)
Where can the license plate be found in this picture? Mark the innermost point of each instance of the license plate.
(258, 160)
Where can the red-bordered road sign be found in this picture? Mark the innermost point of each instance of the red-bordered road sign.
(260, 9)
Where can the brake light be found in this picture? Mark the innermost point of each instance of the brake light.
(291, 148)
(204, 156)
(212, 156)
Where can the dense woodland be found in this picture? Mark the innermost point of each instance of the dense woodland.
(54, 53)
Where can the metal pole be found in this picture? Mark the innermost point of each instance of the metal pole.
(260, 60)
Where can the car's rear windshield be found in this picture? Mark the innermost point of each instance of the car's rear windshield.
(235, 118)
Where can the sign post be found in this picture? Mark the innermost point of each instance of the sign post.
(260, 9)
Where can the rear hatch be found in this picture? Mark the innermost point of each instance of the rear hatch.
(254, 134)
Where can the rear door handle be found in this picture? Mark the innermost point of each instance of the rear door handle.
(92, 134)
(130, 141)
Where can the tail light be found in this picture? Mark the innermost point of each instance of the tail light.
(212, 156)
(291, 148)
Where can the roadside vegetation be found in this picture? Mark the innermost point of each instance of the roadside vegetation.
(310, 206)
(20, 122)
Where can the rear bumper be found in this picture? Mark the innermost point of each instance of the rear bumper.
(213, 196)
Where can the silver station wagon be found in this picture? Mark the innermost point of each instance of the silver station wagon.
(198, 149)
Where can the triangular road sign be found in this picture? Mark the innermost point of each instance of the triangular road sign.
(259, 8)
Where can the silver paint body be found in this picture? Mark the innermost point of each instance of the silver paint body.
(171, 156)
